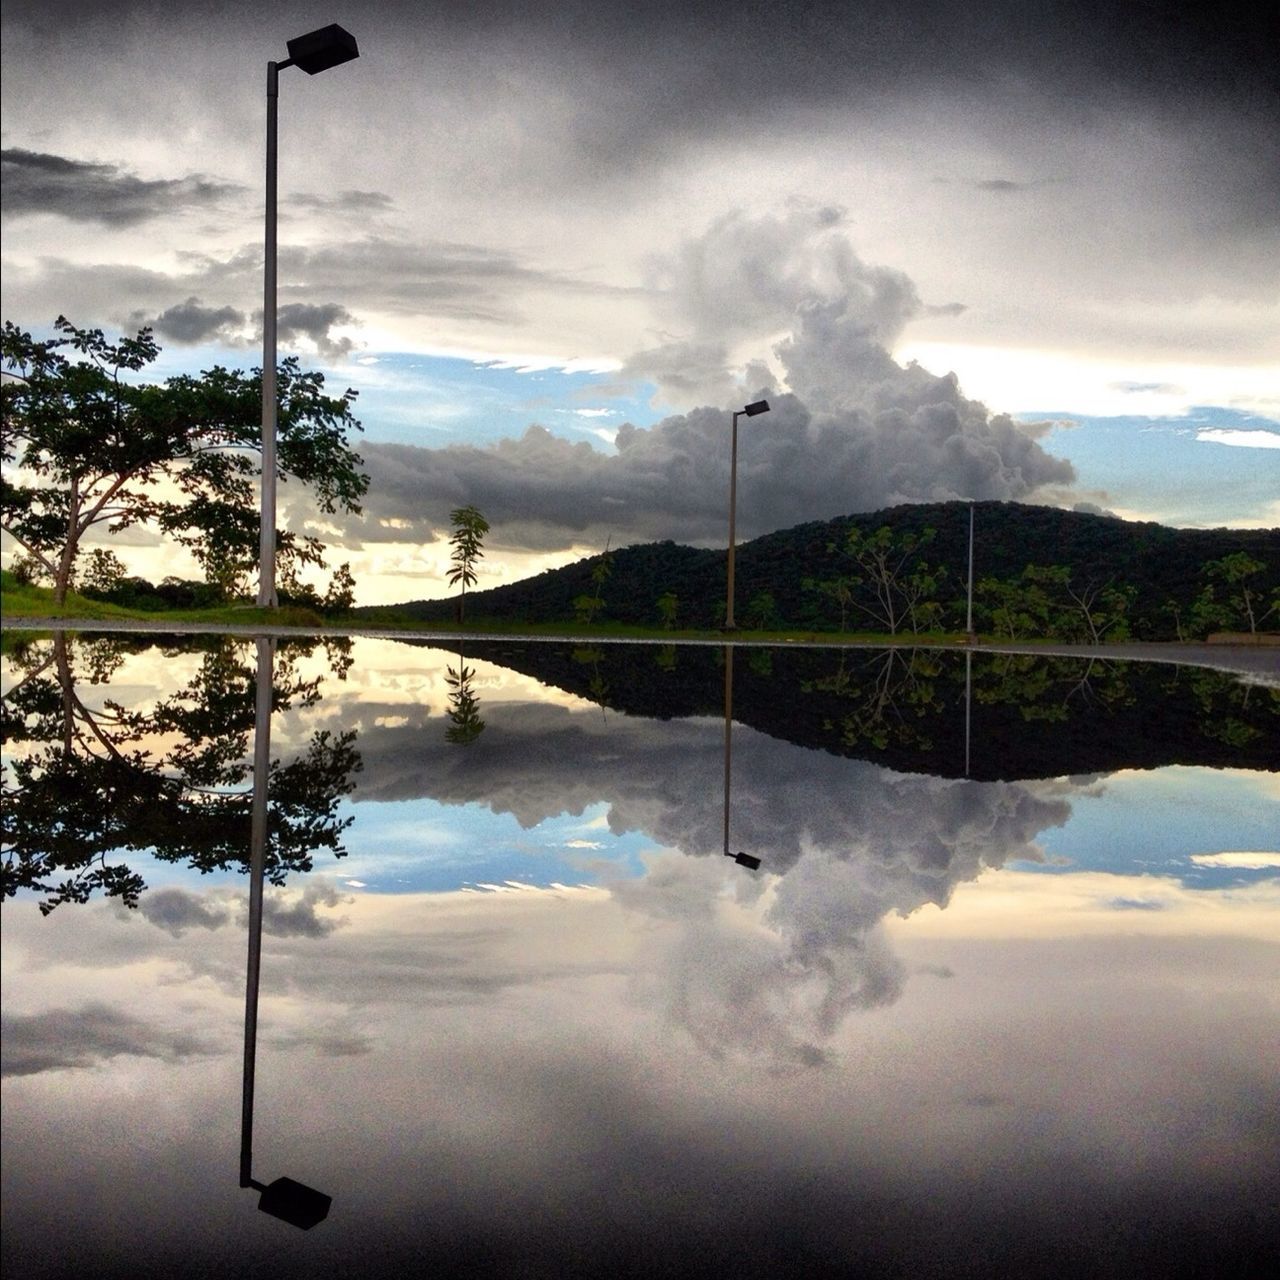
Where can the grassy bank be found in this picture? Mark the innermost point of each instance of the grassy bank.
(18, 600)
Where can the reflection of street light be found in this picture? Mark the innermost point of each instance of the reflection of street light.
(284, 1198)
(742, 859)
(760, 406)
(314, 52)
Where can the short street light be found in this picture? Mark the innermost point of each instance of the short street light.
(316, 51)
(759, 406)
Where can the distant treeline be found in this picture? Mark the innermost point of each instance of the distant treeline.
(1143, 580)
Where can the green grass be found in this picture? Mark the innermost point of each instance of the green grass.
(20, 601)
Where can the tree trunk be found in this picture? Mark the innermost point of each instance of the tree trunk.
(67, 561)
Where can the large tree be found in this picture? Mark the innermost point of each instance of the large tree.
(93, 444)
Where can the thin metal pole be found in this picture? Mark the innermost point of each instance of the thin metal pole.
(728, 736)
(968, 626)
(257, 874)
(968, 704)
(267, 539)
(733, 514)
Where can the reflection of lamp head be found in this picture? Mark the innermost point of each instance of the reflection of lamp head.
(744, 860)
(293, 1203)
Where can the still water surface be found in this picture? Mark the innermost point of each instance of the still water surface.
(1001, 998)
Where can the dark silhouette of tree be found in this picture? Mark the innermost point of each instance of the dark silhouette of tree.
(469, 528)
(107, 450)
(586, 606)
(668, 606)
(92, 783)
(762, 611)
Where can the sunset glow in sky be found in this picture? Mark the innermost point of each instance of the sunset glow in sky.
(613, 225)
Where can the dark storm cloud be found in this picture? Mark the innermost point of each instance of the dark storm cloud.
(454, 280)
(350, 201)
(669, 481)
(433, 277)
(177, 910)
(663, 70)
(1163, 46)
(35, 182)
(328, 1042)
(287, 917)
(855, 432)
(65, 1039)
(302, 319)
(191, 322)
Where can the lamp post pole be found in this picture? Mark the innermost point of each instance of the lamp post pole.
(315, 52)
(733, 512)
(750, 411)
(968, 626)
(267, 533)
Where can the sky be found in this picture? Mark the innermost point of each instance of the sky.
(1022, 252)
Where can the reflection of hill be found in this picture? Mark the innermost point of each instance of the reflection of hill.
(1031, 717)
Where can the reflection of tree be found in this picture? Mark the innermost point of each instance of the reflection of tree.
(890, 696)
(89, 782)
(1050, 688)
(597, 685)
(464, 707)
(1228, 705)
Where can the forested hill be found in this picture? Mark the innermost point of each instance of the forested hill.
(780, 576)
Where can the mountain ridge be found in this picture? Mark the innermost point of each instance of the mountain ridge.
(1163, 565)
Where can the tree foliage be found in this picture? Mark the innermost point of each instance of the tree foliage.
(469, 528)
(899, 589)
(1233, 594)
(94, 446)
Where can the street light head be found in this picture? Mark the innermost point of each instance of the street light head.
(760, 406)
(320, 50)
(744, 860)
(298, 1205)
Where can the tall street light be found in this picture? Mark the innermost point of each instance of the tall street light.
(316, 51)
(760, 406)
